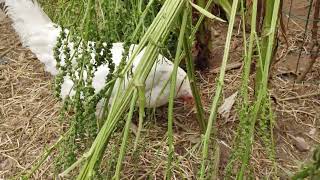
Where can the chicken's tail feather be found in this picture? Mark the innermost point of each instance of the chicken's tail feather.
(26, 15)
(35, 29)
(26, 8)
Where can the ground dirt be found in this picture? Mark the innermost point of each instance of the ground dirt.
(29, 112)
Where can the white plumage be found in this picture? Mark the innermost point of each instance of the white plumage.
(39, 34)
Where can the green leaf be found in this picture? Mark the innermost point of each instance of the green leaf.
(226, 6)
(205, 12)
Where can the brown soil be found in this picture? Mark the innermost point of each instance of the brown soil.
(28, 110)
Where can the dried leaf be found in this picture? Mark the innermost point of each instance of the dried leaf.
(226, 107)
(205, 12)
(312, 132)
(301, 144)
(194, 139)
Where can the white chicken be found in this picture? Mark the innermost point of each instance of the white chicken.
(39, 34)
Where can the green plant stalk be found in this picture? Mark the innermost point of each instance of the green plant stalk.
(96, 151)
(242, 139)
(173, 94)
(100, 10)
(190, 71)
(80, 80)
(105, 110)
(272, 123)
(117, 103)
(89, 153)
(215, 103)
(45, 156)
(73, 23)
(158, 29)
(86, 20)
(198, 24)
(244, 107)
(263, 86)
(143, 41)
(85, 156)
(142, 100)
(194, 88)
(195, 29)
(85, 27)
(50, 150)
(248, 56)
(202, 28)
(140, 6)
(264, 44)
(201, 3)
(244, 36)
(125, 137)
(143, 15)
(190, 40)
(117, 5)
(260, 60)
(215, 161)
(87, 14)
(226, 6)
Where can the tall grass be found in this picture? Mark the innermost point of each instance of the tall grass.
(157, 31)
(150, 25)
(216, 99)
(250, 114)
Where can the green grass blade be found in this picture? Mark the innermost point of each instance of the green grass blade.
(125, 137)
(215, 103)
(173, 94)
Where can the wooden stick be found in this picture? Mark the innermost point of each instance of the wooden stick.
(229, 67)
